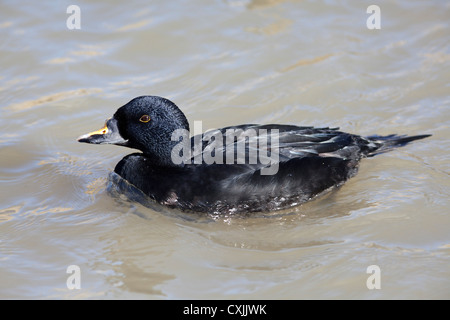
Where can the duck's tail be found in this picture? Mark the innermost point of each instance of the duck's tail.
(386, 143)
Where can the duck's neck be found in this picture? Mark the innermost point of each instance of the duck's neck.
(161, 161)
(165, 155)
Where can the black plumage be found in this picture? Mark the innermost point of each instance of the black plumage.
(308, 160)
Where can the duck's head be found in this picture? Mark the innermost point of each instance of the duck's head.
(145, 123)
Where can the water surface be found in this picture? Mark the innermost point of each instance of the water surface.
(224, 63)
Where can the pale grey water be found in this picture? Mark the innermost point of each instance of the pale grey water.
(224, 63)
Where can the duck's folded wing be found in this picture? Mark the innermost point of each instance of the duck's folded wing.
(250, 144)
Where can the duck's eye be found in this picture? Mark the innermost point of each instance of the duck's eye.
(145, 118)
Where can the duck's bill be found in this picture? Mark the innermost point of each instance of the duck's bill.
(109, 134)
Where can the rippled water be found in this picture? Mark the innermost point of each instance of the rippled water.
(225, 63)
